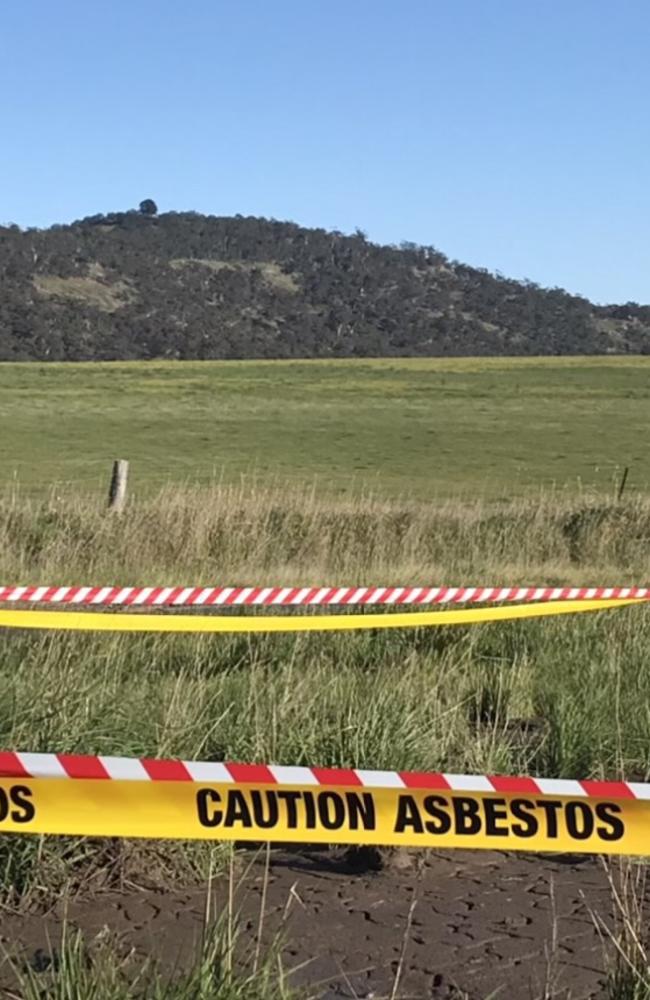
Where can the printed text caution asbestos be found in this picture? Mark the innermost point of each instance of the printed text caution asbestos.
(435, 815)
(383, 816)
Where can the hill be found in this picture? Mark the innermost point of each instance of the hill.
(133, 285)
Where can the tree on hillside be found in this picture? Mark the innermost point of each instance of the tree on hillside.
(148, 207)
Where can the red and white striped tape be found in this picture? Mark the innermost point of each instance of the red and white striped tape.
(49, 765)
(302, 596)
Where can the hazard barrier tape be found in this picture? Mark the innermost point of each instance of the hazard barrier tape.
(124, 797)
(77, 621)
(312, 596)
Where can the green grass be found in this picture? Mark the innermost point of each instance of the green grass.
(426, 427)
(462, 692)
(439, 444)
(556, 698)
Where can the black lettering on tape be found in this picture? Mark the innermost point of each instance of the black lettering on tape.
(523, 810)
(550, 808)
(310, 810)
(237, 810)
(267, 808)
(24, 810)
(291, 800)
(265, 818)
(361, 810)
(437, 815)
(436, 806)
(466, 815)
(408, 815)
(495, 812)
(608, 813)
(579, 820)
(331, 810)
(4, 805)
(206, 798)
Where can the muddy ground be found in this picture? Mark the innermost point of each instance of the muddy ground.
(473, 924)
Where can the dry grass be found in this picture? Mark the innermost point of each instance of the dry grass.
(625, 940)
(546, 696)
(271, 272)
(92, 289)
(250, 534)
(556, 698)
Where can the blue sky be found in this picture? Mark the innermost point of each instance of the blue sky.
(510, 134)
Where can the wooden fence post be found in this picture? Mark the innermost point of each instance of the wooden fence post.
(117, 489)
(621, 486)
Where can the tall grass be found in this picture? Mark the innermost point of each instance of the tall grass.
(295, 536)
(564, 697)
(553, 697)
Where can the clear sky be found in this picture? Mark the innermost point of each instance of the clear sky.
(510, 134)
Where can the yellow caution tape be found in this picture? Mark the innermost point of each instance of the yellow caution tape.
(330, 815)
(134, 622)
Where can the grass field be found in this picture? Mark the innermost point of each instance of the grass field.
(563, 698)
(556, 698)
(426, 427)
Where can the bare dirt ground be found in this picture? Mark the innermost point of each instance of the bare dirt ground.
(444, 925)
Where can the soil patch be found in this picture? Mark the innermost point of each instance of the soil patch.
(447, 924)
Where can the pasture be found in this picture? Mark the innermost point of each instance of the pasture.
(481, 472)
(423, 428)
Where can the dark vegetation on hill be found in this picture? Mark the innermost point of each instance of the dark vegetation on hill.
(183, 285)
